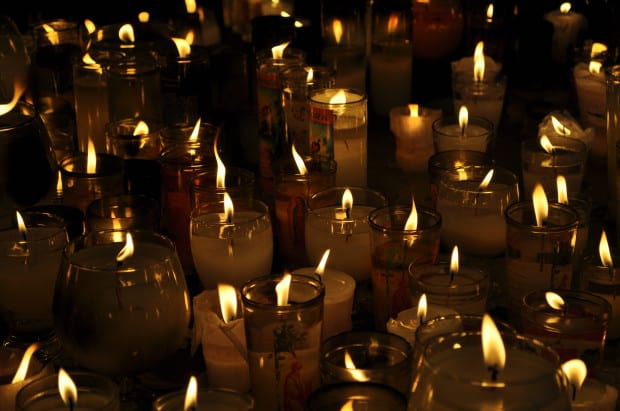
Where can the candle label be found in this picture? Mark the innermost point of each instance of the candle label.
(321, 131)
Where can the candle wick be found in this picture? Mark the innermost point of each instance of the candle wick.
(463, 130)
(421, 320)
(494, 372)
(451, 276)
(71, 404)
(574, 391)
(347, 212)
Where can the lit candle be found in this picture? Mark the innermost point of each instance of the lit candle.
(338, 127)
(567, 25)
(583, 204)
(412, 127)
(339, 291)
(562, 124)
(219, 329)
(18, 367)
(588, 393)
(345, 52)
(468, 133)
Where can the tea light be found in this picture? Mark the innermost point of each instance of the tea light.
(338, 128)
(337, 218)
(283, 318)
(468, 133)
(220, 330)
(590, 86)
(367, 356)
(588, 393)
(462, 288)
(231, 242)
(18, 367)
(572, 322)
(339, 291)
(76, 391)
(567, 25)
(412, 127)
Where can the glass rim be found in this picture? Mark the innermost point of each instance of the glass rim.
(486, 124)
(586, 297)
(377, 194)
(361, 96)
(114, 165)
(58, 222)
(290, 308)
(253, 204)
(564, 208)
(436, 225)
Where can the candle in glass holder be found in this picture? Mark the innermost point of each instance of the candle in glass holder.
(412, 127)
(567, 26)
(125, 211)
(18, 367)
(283, 318)
(590, 87)
(588, 393)
(231, 241)
(367, 356)
(464, 133)
(207, 399)
(401, 236)
(473, 196)
(574, 323)
(345, 50)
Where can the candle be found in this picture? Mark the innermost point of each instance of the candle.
(220, 330)
(295, 184)
(487, 24)
(544, 158)
(353, 395)
(338, 302)
(574, 323)
(590, 87)
(588, 393)
(208, 400)
(412, 127)
(400, 236)
(475, 196)
(83, 391)
(567, 26)
(562, 124)
(581, 202)
(462, 288)
(141, 286)
(337, 218)
(12, 361)
(198, 131)
(489, 370)
(408, 321)
(391, 60)
(91, 103)
(338, 130)
(32, 245)
(283, 322)
(345, 51)
(367, 356)
(231, 242)
(89, 176)
(125, 211)
(73, 217)
(437, 28)
(468, 133)
(209, 185)
(539, 247)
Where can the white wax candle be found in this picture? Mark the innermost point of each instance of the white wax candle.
(484, 99)
(244, 252)
(414, 137)
(338, 301)
(407, 322)
(390, 77)
(452, 138)
(594, 395)
(591, 95)
(566, 28)
(348, 240)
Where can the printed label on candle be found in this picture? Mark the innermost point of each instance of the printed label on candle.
(321, 131)
(270, 120)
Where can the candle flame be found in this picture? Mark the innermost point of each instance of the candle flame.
(190, 6)
(422, 309)
(229, 210)
(339, 98)
(88, 60)
(348, 406)
(412, 220)
(278, 51)
(127, 250)
(479, 51)
(492, 345)
(194, 136)
(604, 251)
(490, 12)
(392, 25)
(67, 389)
(310, 75)
(22, 370)
(220, 177)
(18, 90)
(337, 29)
(126, 34)
(595, 67)
(52, 35)
(479, 66)
(349, 364)
(414, 110)
(347, 200)
(463, 119)
(576, 372)
(320, 268)
(301, 166)
(90, 26)
(541, 206)
(191, 395)
(554, 300)
(141, 129)
(348, 361)
(21, 226)
(59, 188)
(545, 143)
(486, 180)
(183, 47)
(144, 17)
(560, 182)
(189, 38)
(228, 301)
(454, 261)
(282, 289)
(559, 127)
(565, 7)
(91, 158)
(597, 48)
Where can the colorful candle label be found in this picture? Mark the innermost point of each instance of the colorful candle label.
(321, 132)
(270, 122)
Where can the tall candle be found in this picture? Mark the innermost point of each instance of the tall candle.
(567, 25)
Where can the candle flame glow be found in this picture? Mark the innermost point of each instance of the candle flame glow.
(479, 66)
(278, 51)
(320, 268)
(490, 12)
(479, 51)
(493, 348)
(189, 37)
(463, 119)
(88, 60)
(348, 406)
(422, 309)
(414, 110)
(299, 162)
(310, 75)
(22, 370)
(562, 188)
(392, 24)
(554, 300)
(349, 364)
(545, 143)
(454, 261)
(144, 17)
(141, 128)
(183, 47)
(52, 35)
(541, 206)
(21, 226)
(220, 177)
(339, 98)
(18, 90)
(282, 289)
(604, 251)
(90, 26)
(91, 158)
(565, 7)
(126, 34)
(597, 48)
(486, 180)
(127, 250)
(191, 395)
(229, 209)
(337, 30)
(228, 301)
(194, 136)
(59, 189)
(595, 67)
(412, 220)
(347, 200)
(559, 127)
(190, 6)
(67, 389)
(576, 372)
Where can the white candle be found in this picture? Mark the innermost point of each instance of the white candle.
(414, 136)
(338, 302)
(590, 88)
(483, 99)
(390, 77)
(407, 322)
(567, 25)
